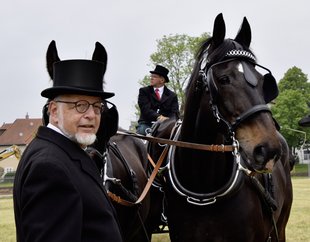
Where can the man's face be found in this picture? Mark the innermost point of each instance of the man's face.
(157, 81)
(79, 127)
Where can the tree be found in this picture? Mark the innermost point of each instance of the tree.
(295, 79)
(177, 53)
(291, 105)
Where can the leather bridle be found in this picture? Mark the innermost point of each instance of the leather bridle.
(207, 80)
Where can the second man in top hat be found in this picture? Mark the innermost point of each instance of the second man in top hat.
(156, 101)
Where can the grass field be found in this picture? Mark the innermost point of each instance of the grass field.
(298, 228)
(300, 169)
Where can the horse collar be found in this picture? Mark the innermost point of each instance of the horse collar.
(203, 199)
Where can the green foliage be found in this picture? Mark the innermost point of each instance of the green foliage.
(1, 171)
(177, 53)
(292, 105)
(295, 79)
(9, 177)
(9, 174)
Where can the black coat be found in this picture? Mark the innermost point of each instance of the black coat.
(58, 194)
(151, 107)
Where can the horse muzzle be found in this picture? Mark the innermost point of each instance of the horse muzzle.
(263, 158)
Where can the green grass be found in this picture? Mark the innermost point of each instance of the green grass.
(300, 169)
(6, 184)
(7, 224)
(298, 227)
(297, 230)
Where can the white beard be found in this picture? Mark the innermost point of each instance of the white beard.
(81, 139)
(84, 139)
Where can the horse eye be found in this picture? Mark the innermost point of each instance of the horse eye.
(224, 80)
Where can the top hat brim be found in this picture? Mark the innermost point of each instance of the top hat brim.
(160, 74)
(53, 92)
(305, 122)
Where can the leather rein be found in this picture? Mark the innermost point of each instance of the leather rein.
(157, 165)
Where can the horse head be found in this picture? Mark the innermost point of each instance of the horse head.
(232, 86)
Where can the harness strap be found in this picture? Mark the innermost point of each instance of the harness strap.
(127, 203)
(269, 202)
(213, 148)
(249, 113)
(151, 160)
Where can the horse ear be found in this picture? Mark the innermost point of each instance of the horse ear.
(219, 30)
(100, 54)
(244, 35)
(51, 57)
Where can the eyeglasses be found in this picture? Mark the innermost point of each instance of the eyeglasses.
(82, 106)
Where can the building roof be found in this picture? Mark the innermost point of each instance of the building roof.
(20, 132)
(5, 126)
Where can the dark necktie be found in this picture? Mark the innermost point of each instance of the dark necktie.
(157, 94)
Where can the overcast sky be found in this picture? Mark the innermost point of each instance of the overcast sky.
(129, 30)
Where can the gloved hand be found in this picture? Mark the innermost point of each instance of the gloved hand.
(161, 118)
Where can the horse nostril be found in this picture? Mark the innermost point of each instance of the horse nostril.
(259, 154)
(263, 153)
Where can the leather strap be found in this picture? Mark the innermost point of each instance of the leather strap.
(213, 148)
(151, 160)
(124, 202)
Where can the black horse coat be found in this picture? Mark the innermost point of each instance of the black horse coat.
(151, 108)
(58, 194)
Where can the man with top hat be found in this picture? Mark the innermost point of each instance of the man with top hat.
(58, 191)
(156, 101)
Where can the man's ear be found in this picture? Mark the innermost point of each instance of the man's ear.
(52, 112)
(45, 114)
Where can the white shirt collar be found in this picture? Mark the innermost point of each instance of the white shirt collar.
(53, 127)
(160, 89)
(56, 129)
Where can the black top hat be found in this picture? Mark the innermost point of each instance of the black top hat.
(77, 77)
(161, 71)
(305, 122)
(83, 77)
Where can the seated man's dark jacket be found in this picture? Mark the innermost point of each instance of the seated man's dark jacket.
(59, 195)
(151, 108)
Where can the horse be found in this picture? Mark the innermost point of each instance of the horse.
(156, 221)
(242, 192)
(123, 170)
(121, 161)
(127, 178)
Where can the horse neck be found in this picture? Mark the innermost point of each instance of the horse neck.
(209, 169)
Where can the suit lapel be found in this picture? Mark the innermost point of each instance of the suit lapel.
(89, 167)
(165, 95)
(75, 153)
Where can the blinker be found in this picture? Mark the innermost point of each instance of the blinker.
(248, 74)
(270, 88)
